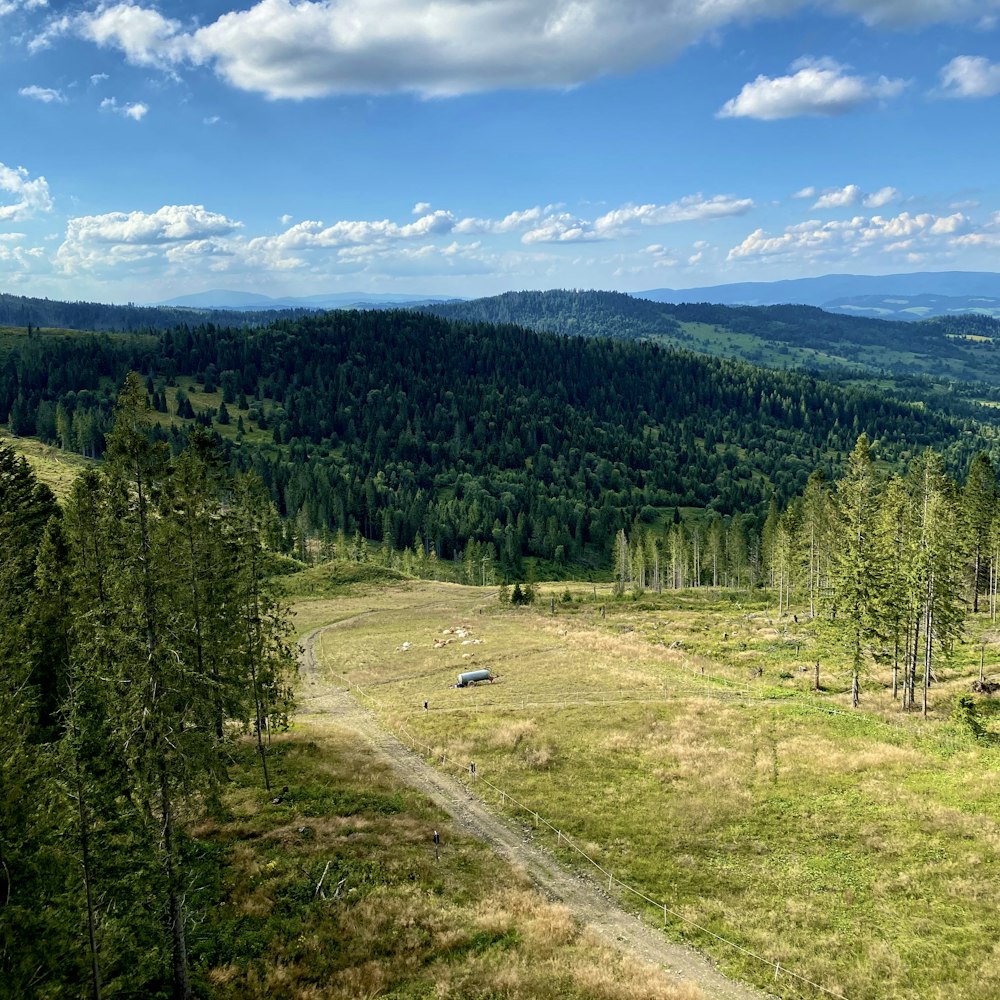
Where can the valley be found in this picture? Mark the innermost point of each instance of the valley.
(742, 734)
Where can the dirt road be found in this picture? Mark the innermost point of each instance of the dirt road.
(587, 901)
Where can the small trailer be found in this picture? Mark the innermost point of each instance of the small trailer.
(471, 677)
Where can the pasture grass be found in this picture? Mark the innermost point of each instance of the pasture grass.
(52, 466)
(390, 920)
(858, 849)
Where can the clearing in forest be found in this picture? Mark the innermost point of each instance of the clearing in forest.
(859, 850)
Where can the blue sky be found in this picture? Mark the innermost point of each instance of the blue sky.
(466, 147)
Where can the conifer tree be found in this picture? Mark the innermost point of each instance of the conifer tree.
(814, 539)
(979, 508)
(267, 656)
(936, 580)
(856, 608)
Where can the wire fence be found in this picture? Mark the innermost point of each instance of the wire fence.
(505, 797)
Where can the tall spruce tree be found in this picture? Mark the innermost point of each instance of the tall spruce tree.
(857, 576)
(979, 508)
(936, 580)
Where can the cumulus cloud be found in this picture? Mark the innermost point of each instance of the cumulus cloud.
(562, 227)
(311, 48)
(881, 197)
(521, 219)
(970, 76)
(143, 35)
(848, 237)
(136, 111)
(308, 49)
(551, 224)
(692, 208)
(315, 235)
(814, 87)
(192, 237)
(98, 240)
(422, 208)
(29, 194)
(848, 195)
(839, 197)
(47, 95)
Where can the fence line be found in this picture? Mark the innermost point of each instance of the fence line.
(779, 969)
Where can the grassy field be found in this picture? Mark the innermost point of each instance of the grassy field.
(388, 919)
(56, 468)
(678, 742)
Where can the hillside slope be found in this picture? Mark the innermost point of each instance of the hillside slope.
(779, 336)
(406, 427)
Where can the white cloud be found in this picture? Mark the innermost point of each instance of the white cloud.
(512, 222)
(310, 48)
(813, 239)
(47, 95)
(98, 78)
(692, 208)
(136, 111)
(839, 197)
(848, 195)
(815, 87)
(560, 228)
(211, 120)
(94, 241)
(422, 208)
(145, 36)
(550, 224)
(881, 197)
(30, 194)
(970, 76)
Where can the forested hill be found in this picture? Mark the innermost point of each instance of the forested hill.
(963, 347)
(400, 424)
(574, 313)
(21, 311)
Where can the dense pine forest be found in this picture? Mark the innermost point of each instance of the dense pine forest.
(959, 347)
(23, 311)
(140, 640)
(425, 434)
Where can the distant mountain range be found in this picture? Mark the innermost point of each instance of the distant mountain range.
(913, 296)
(918, 295)
(249, 301)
